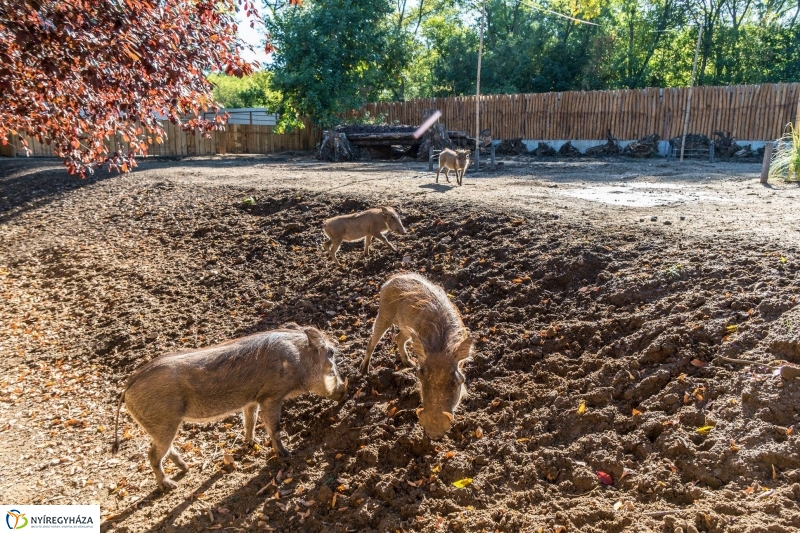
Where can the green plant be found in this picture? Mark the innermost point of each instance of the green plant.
(367, 118)
(249, 201)
(673, 272)
(786, 156)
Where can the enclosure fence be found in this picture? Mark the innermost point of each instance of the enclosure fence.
(236, 139)
(748, 112)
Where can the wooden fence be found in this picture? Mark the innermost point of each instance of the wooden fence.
(236, 139)
(749, 112)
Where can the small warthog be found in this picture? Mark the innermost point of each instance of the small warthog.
(209, 383)
(450, 160)
(366, 225)
(423, 314)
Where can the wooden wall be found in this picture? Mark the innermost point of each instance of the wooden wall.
(749, 112)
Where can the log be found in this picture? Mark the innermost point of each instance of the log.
(400, 136)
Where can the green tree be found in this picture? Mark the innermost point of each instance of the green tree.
(331, 56)
(249, 91)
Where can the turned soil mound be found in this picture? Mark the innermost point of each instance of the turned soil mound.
(599, 351)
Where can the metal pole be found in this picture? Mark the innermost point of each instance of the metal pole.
(691, 86)
(478, 95)
(766, 162)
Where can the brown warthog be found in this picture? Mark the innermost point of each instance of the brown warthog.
(209, 383)
(424, 315)
(450, 160)
(369, 224)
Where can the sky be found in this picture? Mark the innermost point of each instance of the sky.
(253, 37)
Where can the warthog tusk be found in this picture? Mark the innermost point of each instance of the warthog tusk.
(449, 416)
(419, 411)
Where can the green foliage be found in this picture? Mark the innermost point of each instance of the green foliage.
(334, 55)
(786, 156)
(250, 91)
(330, 57)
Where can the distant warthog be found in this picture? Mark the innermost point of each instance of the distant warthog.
(426, 317)
(450, 160)
(209, 383)
(369, 224)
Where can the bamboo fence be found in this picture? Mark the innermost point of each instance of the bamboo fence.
(748, 112)
(235, 139)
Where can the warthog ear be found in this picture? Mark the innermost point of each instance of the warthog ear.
(462, 352)
(316, 339)
(385, 211)
(416, 344)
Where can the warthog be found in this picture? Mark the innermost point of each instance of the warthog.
(450, 160)
(366, 225)
(209, 383)
(425, 316)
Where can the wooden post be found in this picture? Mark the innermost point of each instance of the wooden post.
(493, 165)
(711, 152)
(478, 96)
(430, 158)
(765, 164)
(691, 84)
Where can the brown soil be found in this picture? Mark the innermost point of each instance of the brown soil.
(602, 337)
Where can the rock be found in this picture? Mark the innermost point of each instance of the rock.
(385, 491)
(324, 495)
(667, 223)
(653, 219)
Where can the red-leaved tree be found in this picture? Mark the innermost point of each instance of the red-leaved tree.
(73, 72)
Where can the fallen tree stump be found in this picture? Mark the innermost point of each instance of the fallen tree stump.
(512, 147)
(435, 138)
(567, 150)
(644, 147)
(335, 147)
(610, 148)
(544, 149)
(695, 145)
(725, 145)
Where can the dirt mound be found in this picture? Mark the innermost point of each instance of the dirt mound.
(598, 353)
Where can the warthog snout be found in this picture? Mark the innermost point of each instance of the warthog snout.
(435, 424)
(340, 393)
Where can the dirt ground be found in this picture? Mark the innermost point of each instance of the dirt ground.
(606, 293)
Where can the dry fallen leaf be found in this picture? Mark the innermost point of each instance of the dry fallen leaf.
(697, 363)
(734, 447)
(461, 483)
(449, 455)
(582, 407)
(636, 412)
(605, 478)
(704, 430)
